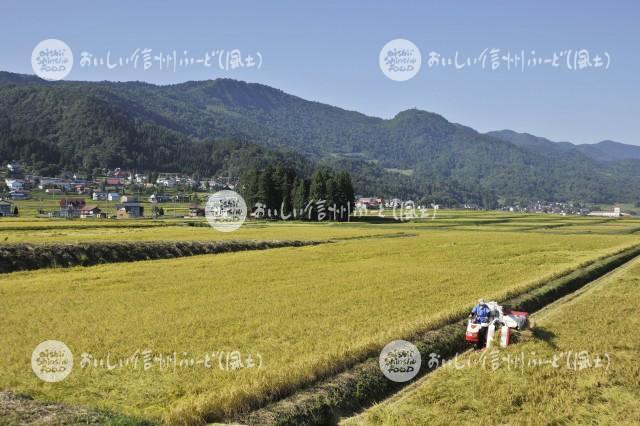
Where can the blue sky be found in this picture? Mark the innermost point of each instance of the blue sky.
(327, 51)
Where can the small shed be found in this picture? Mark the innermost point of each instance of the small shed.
(129, 210)
(6, 208)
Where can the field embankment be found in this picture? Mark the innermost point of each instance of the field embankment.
(78, 232)
(23, 257)
(23, 410)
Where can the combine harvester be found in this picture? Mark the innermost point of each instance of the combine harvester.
(501, 320)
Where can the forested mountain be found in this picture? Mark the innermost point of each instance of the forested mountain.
(231, 126)
(611, 151)
(605, 151)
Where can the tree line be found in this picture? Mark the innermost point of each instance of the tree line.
(279, 193)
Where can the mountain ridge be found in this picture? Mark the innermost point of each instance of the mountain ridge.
(86, 125)
(606, 150)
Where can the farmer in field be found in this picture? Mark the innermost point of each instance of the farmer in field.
(480, 312)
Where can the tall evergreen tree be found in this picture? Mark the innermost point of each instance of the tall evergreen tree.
(300, 196)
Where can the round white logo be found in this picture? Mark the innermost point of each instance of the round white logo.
(400, 60)
(52, 59)
(226, 211)
(400, 361)
(52, 361)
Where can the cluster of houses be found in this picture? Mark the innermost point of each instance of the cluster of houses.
(105, 196)
(122, 177)
(547, 207)
(562, 208)
(129, 208)
(109, 188)
(20, 188)
(20, 185)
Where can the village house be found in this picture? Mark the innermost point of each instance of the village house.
(113, 196)
(99, 196)
(615, 213)
(14, 167)
(55, 183)
(89, 211)
(140, 178)
(167, 182)
(114, 181)
(6, 208)
(81, 188)
(191, 183)
(158, 198)
(19, 195)
(14, 184)
(369, 203)
(129, 210)
(119, 173)
(195, 210)
(71, 207)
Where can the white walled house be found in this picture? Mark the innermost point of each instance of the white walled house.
(6, 208)
(14, 184)
(615, 213)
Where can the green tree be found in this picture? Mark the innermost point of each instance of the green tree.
(300, 195)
